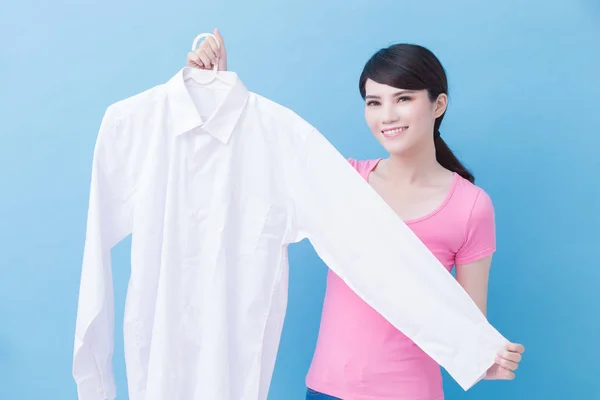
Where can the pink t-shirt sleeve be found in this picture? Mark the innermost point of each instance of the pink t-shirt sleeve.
(363, 167)
(480, 238)
(353, 162)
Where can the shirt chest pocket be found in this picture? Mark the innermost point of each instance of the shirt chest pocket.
(253, 215)
(261, 252)
(254, 226)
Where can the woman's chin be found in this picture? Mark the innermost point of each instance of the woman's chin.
(396, 147)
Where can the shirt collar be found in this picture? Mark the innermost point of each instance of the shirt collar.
(184, 116)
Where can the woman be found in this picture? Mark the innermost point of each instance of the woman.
(359, 355)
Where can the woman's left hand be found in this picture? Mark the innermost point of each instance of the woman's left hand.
(507, 362)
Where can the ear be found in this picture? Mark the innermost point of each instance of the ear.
(440, 105)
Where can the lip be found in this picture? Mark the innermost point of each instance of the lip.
(394, 132)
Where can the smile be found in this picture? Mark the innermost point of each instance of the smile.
(394, 131)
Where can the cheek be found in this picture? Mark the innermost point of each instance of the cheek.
(418, 117)
(371, 120)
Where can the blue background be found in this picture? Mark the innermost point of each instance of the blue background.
(523, 115)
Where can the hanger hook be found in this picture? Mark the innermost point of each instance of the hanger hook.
(202, 36)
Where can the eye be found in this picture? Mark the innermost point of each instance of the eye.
(373, 103)
(403, 99)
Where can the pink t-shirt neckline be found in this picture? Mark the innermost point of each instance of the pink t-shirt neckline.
(455, 179)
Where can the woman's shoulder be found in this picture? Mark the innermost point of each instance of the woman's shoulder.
(473, 199)
(475, 210)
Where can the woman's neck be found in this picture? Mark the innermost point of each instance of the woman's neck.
(407, 169)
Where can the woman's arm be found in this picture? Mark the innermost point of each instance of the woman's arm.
(473, 277)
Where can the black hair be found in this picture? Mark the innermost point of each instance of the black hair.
(413, 67)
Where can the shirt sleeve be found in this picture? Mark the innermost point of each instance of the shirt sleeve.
(480, 237)
(365, 243)
(108, 222)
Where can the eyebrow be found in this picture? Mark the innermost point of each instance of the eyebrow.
(394, 95)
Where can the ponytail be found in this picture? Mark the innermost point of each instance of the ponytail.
(446, 158)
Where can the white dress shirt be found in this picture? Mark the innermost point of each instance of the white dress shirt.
(213, 182)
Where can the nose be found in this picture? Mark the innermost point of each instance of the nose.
(389, 114)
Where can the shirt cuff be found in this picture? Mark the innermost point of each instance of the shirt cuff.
(476, 355)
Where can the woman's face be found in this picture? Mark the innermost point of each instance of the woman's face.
(401, 120)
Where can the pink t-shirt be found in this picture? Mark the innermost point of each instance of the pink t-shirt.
(359, 354)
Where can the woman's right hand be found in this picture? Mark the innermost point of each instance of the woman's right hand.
(207, 54)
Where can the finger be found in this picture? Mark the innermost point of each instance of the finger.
(516, 347)
(222, 51)
(507, 374)
(217, 34)
(204, 58)
(207, 51)
(507, 364)
(510, 355)
(194, 61)
(210, 52)
(213, 47)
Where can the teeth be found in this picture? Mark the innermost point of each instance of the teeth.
(394, 131)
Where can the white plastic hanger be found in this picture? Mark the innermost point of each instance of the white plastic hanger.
(195, 75)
